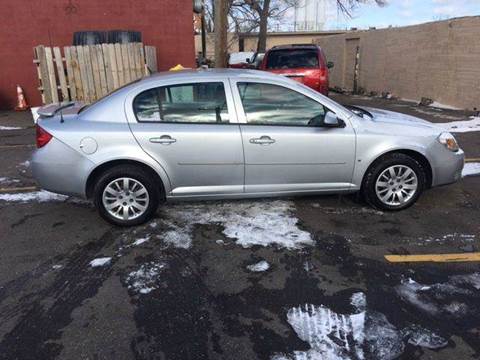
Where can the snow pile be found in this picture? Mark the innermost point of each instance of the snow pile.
(250, 223)
(100, 261)
(259, 267)
(461, 126)
(145, 279)
(363, 334)
(39, 196)
(470, 169)
(10, 128)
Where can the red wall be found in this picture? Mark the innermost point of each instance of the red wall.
(166, 24)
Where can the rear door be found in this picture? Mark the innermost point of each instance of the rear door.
(192, 131)
(286, 148)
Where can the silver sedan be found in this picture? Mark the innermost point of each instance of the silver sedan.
(212, 134)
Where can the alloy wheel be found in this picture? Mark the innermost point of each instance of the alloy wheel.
(396, 185)
(125, 198)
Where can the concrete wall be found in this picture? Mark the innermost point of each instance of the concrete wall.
(166, 24)
(438, 60)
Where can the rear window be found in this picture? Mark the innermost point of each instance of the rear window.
(183, 103)
(292, 59)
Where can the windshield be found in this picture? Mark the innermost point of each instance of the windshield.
(292, 59)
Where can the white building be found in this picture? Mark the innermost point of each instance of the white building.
(310, 15)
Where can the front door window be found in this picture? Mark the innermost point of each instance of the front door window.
(266, 104)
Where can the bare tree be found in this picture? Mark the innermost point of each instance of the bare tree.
(257, 14)
(346, 6)
(246, 16)
(221, 31)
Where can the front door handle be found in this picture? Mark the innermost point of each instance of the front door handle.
(164, 140)
(262, 140)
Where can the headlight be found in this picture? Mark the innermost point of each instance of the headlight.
(448, 141)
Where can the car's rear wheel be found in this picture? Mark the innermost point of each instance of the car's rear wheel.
(126, 195)
(394, 182)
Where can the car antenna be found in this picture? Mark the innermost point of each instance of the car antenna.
(61, 116)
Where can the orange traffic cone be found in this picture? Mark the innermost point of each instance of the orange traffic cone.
(21, 102)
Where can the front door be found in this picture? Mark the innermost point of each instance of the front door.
(189, 129)
(286, 147)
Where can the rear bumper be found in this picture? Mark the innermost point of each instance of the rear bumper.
(60, 169)
(449, 169)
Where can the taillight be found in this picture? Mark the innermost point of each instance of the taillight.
(43, 137)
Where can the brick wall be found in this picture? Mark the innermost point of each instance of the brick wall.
(438, 60)
(166, 24)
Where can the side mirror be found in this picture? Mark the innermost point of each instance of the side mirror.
(248, 60)
(330, 64)
(332, 121)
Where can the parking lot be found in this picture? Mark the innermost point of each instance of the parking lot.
(302, 278)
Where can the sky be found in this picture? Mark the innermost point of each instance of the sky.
(400, 13)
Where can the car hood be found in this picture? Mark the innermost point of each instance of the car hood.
(391, 117)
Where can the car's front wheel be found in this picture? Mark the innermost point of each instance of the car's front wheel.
(126, 195)
(394, 182)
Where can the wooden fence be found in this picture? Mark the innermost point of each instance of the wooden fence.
(86, 73)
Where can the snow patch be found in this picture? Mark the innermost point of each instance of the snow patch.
(438, 105)
(8, 181)
(100, 261)
(261, 223)
(362, 335)
(35, 114)
(39, 196)
(359, 301)
(330, 335)
(145, 279)
(259, 267)
(10, 128)
(439, 299)
(461, 126)
(419, 336)
(470, 169)
(307, 266)
(141, 241)
(472, 280)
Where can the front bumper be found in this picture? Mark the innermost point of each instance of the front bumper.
(60, 169)
(449, 168)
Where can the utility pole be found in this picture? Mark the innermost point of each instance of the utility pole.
(220, 28)
(204, 40)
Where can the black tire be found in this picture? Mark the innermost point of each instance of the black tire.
(134, 172)
(368, 187)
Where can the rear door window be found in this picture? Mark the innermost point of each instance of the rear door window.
(184, 103)
(292, 59)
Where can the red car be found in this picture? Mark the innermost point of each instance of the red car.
(304, 63)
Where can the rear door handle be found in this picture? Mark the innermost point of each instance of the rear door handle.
(262, 140)
(164, 140)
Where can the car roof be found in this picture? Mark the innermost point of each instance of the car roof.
(295, 46)
(188, 74)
